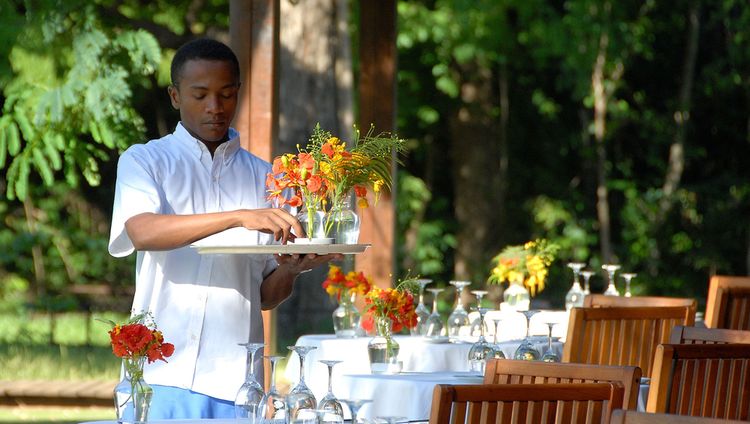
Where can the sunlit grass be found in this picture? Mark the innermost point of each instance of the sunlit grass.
(51, 414)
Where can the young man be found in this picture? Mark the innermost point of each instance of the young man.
(183, 187)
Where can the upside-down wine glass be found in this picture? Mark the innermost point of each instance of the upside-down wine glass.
(611, 289)
(329, 401)
(574, 297)
(458, 319)
(475, 330)
(526, 350)
(354, 406)
(250, 394)
(549, 354)
(498, 349)
(300, 398)
(480, 351)
(587, 274)
(421, 310)
(272, 407)
(434, 322)
(627, 276)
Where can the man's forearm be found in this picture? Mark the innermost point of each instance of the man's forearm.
(149, 231)
(277, 287)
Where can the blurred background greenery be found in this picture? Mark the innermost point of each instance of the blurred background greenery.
(619, 130)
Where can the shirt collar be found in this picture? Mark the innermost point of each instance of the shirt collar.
(199, 149)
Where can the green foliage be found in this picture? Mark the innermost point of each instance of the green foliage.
(68, 103)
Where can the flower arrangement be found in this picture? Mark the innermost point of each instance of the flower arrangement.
(321, 175)
(527, 264)
(394, 303)
(339, 284)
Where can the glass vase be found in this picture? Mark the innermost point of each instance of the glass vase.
(383, 349)
(346, 318)
(313, 222)
(516, 297)
(132, 395)
(343, 223)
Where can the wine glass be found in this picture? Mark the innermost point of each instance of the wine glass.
(329, 401)
(627, 276)
(549, 354)
(481, 351)
(300, 398)
(574, 297)
(354, 406)
(498, 349)
(434, 322)
(251, 393)
(272, 406)
(421, 310)
(477, 321)
(526, 350)
(586, 277)
(458, 319)
(611, 289)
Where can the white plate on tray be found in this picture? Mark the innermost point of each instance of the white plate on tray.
(284, 249)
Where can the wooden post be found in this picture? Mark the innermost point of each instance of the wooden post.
(254, 32)
(377, 106)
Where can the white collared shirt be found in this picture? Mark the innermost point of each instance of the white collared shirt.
(204, 304)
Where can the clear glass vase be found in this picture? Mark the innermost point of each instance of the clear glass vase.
(343, 223)
(313, 222)
(132, 395)
(516, 297)
(383, 349)
(346, 317)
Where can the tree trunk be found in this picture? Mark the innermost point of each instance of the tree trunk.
(315, 85)
(600, 120)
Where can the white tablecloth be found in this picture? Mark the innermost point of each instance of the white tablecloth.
(417, 354)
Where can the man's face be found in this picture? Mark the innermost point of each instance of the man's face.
(206, 95)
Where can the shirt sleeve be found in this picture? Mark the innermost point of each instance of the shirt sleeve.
(136, 192)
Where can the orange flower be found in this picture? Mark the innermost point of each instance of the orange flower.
(337, 284)
(136, 340)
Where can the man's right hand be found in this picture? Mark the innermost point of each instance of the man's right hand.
(274, 221)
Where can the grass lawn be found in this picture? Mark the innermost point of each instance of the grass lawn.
(49, 414)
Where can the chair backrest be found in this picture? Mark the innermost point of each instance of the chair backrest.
(621, 335)
(621, 416)
(501, 371)
(521, 403)
(602, 301)
(728, 304)
(703, 380)
(700, 335)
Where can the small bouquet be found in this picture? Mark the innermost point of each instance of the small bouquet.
(394, 303)
(321, 175)
(339, 284)
(527, 264)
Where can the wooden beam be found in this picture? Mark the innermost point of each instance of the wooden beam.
(254, 32)
(377, 106)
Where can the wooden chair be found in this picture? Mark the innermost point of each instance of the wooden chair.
(501, 371)
(703, 380)
(700, 335)
(621, 335)
(521, 403)
(621, 416)
(602, 301)
(728, 304)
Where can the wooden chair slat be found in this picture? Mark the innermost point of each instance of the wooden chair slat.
(728, 304)
(633, 417)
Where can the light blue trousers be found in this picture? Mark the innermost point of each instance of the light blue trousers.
(171, 402)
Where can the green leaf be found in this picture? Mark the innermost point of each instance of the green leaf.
(22, 182)
(43, 167)
(3, 146)
(29, 134)
(51, 149)
(14, 140)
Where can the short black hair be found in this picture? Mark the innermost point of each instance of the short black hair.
(202, 49)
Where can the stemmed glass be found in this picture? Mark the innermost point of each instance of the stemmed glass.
(498, 349)
(481, 351)
(421, 310)
(300, 398)
(627, 276)
(434, 323)
(354, 406)
(574, 297)
(526, 351)
(611, 289)
(273, 408)
(458, 319)
(477, 321)
(586, 277)
(329, 401)
(251, 393)
(550, 355)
